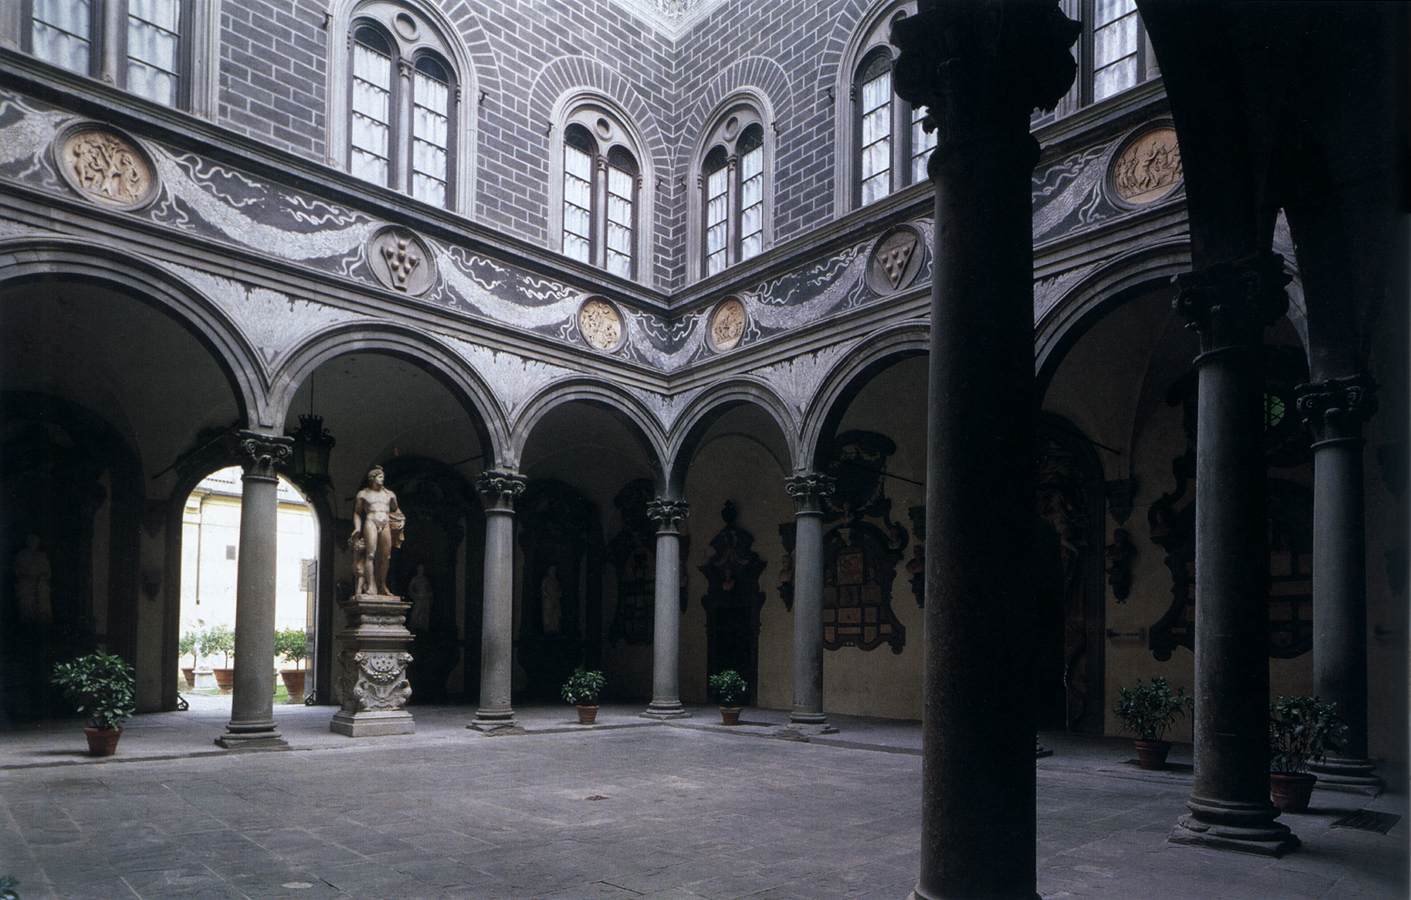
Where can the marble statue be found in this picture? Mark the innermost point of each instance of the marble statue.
(419, 592)
(32, 574)
(551, 601)
(378, 529)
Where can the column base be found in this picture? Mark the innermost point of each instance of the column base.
(1336, 773)
(495, 724)
(802, 731)
(665, 709)
(918, 894)
(1245, 827)
(252, 740)
(372, 723)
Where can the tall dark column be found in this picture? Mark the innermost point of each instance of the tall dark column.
(496, 714)
(1229, 304)
(809, 490)
(1335, 411)
(981, 67)
(666, 619)
(252, 702)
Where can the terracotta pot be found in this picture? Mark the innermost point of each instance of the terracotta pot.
(294, 683)
(102, 741)
(1290, 791)
(1152, 754)
(587, 715)
(190, 676)
(225, 679)
(730, 715)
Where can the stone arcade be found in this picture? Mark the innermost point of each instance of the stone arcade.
(705, 334)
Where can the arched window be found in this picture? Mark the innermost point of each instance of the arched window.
(143, 46)
(885, 147)
(730, 221)
(398, 125)
(597, 200)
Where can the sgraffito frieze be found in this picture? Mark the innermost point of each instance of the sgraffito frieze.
(797, 380)
(513, 378)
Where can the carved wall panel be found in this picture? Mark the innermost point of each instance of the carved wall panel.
(727, 324)
(1148, 167)
(601, 325)
(105, 166)
(401, 261)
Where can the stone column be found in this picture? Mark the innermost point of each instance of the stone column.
(495, 715)
(114, 29)
(981, 68)
(1229, 304)
(252, 701)
(666, 622)
(1335, 410)
(809, 490)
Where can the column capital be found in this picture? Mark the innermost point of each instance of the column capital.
(263, 455)
(668, 514)
(981, 67)
(809, 490)
(500, 487)
(1334, 410)
(1231, 303)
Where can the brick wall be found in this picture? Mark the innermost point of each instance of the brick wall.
(525, 53)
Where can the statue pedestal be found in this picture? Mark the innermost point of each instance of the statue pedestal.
(372, 667)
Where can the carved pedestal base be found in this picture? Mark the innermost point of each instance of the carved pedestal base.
(372, 668)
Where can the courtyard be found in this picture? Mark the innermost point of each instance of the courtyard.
(627, 808)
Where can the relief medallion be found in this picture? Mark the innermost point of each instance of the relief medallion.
(727, 325)
(105, 166)
(600, 324)
(1147, 168)
(401, 261)
(896, 260)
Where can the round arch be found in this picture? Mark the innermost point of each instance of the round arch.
(34, 258)
(874, 353)
(705, 409)
(600, 393)
(412, 345)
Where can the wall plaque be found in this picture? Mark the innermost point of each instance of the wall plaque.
(1147, 168)
(600, 324)
(727, 325)
(401, 261)
(105, 166)
(896, 260)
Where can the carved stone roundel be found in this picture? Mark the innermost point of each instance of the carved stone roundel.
(1148, 167)
(896, 260)
(401, 261)
(727, 324)
(105, 166)
(600, 324)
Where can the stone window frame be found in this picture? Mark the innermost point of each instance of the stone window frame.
(868, 41)
(198, 74)
(750, 109)
(586, 107)
(433, 36)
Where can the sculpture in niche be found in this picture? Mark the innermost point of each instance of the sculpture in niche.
(401, 261)
(633, 555)
(862, 552)
(896, 260)
(1289, 507)
(733, 600)
(423, 597)
(551, 601)
(32, 574)
(600, 324)
(378, 529)
(727, 324)
(1148, 168)
(105, 167)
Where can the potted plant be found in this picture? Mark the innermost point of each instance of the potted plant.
(101, 685)
(189, 645)
(728, 688)
(293, 645)
(1301, 730)
(221, 639)
(1147, 710)
(582, 689)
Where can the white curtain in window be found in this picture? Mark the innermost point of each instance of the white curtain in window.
(619, 221)
(153, 48)
(1115, 36)
(717, 212)
(751, 203)
(877, 137)
(372, 106)
(577, 202)
(922, 143)
(60, 32)
(430, 130)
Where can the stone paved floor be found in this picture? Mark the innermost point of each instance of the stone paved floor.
(640, 809)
